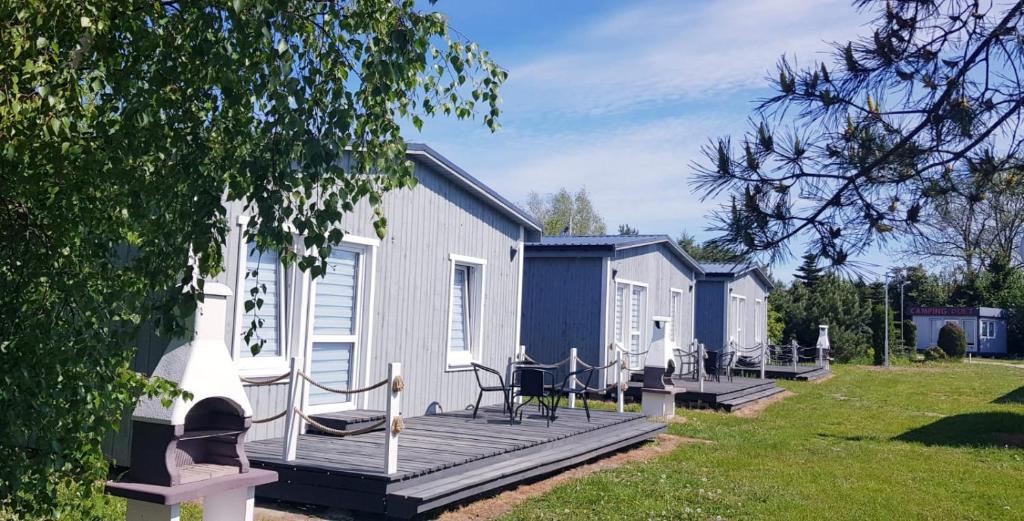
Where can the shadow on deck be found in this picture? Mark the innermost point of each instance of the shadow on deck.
(442, 459)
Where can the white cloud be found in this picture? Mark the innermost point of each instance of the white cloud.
(657, 52)
(622, 105)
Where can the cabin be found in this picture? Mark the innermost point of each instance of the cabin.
(589, 292)
(984, 327)
(440, 291)
(732, 306)
(388, 338)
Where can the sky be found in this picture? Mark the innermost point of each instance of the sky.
(618, 97)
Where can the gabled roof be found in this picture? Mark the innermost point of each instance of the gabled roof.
(735, 270)
(455, 173)
(612, 243)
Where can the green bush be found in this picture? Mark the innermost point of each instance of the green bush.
(934, 353)
(909, 334)
(952, 340)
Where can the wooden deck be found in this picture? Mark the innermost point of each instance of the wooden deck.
(729, 396)
(442, 459)
(800, 372)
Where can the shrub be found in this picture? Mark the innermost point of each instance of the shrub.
(909, 334)
(934, 353)
(952, 340)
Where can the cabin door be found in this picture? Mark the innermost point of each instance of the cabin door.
(334, 315)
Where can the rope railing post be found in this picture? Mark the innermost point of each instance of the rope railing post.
(394, 420)
(620, 394)
(572, 379)
(795, 353)
(764, 355)
(700, 367)
(520, 357)
(291, 425)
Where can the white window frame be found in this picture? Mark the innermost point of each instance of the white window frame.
(737, 313)
(257, 366)
(359, 338)
(988, 329)
(757, 320)
(676, 314)
(477, 282)
(627, 329)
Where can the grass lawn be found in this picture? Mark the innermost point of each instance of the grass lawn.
(938, 441)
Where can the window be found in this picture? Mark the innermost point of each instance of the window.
(465, 311)
(631, 318)
(676, 311)
(988, 329)
(335, 327)
(260, 275)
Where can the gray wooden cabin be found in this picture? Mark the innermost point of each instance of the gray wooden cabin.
(590, 291)
(732, 305)
(441, 290)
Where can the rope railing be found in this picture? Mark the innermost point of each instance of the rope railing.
(360, 390)
(340, 432)
(259, 382)
(392, 424)
(277, 416)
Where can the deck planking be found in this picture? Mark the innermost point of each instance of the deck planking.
(442, 458)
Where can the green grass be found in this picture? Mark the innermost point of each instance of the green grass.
(923, 442)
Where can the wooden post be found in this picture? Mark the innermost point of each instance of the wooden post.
(700, 367)
(795, 353)
(620, 395)
(572, 379)
(764, 355)
(391, 441)
(520, 357)
(291, 423)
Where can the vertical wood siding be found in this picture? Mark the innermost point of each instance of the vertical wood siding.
(425, 225)
(562, 307)
(410, 317)
(662, 271)
(711, 313)
(751, 287)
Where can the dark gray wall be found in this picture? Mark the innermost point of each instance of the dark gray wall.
(562, 307)
(710, 313)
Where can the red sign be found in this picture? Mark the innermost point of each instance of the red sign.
(945, 311)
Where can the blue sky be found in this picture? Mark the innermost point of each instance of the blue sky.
(619, 96)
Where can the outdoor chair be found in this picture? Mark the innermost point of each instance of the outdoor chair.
(535, 384)
(577, 382)
(718, 362)
(500, 388)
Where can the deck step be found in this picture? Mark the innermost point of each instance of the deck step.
(743, 401)
(343, 420)
(415, 496)
(814, 375)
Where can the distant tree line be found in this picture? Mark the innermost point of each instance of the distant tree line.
(855, 309)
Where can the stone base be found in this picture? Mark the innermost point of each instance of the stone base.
(659, 403)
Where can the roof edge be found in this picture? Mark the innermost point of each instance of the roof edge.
(476, 186)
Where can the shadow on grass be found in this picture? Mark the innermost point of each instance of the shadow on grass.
(1013, 397)
(983, 429)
